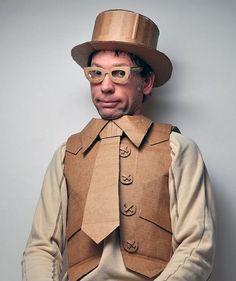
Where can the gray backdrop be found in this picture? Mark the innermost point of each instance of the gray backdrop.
(45, 98)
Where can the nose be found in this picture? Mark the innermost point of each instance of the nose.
(107, 86)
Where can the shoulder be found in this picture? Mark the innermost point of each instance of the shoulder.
(183, 147)
(74, 143)
(58, 157)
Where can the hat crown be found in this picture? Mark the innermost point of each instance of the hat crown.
(125, 26)
(129, 32)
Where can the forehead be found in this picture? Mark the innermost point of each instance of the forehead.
(111, 58)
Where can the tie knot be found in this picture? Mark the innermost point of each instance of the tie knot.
(110, 130)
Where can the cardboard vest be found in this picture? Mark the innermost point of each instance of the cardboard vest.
(145, 225)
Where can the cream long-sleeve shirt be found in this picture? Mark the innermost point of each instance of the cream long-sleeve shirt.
(192, 217)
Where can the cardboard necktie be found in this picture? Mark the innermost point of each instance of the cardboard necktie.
(101, 213)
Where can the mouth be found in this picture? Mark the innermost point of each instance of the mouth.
(108, 103)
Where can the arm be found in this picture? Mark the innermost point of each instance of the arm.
(42, 259)
(192, 215)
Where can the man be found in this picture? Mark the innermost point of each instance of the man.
(128, 198)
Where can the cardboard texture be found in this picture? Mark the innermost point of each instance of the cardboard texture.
(130, 32)
(145, 234)
(101, 214)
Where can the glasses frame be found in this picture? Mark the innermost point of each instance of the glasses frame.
(118, 80)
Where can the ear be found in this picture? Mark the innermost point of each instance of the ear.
(148, 84)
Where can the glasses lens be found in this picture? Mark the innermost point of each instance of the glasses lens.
(94, 74)
(118, 73)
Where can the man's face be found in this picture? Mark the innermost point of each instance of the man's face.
(114, 100)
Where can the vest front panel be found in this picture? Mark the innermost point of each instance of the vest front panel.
(145, 228)
(83, 254)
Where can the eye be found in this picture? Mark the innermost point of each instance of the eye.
(118, 73)
(95, 74)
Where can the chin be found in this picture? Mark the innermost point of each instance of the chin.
(110, 116)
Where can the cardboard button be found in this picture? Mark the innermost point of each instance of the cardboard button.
(131, 246)
(128, 209)
(126, 179)
(125, 151)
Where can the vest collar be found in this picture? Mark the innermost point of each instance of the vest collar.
(91, 132)
(135, 127)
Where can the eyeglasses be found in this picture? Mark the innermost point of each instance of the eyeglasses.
(118, 74)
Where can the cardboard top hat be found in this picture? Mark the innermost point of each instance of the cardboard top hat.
(129, 32)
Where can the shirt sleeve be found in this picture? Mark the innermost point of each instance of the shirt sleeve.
(192, 214)
(42, 258)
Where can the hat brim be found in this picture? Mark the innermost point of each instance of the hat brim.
(159, 62)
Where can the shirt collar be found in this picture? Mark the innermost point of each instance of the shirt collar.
(135, 128)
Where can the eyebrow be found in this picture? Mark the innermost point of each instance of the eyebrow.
(114, 65)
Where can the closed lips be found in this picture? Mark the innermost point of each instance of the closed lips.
(109, 102)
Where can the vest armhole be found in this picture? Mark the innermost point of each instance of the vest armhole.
(175, 129)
